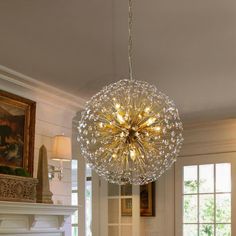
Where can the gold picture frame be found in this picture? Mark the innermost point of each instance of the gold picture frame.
(17, 131)
(147, 200)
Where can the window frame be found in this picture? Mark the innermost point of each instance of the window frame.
(88, 178)
(75, 191)
(179, 177)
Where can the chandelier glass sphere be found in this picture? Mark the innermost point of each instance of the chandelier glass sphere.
(130, 132)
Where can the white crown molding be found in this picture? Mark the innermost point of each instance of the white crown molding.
(209, 137)
(210, 124)
(13, 80)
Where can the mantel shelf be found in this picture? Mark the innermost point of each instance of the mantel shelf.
(19, 218)
(36, 209)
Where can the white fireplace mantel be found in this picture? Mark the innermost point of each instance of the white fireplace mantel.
(33, 219)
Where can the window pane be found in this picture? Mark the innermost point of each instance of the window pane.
(206, 230)
(74, 199)
(206, 208)
(113, 211)
(190, 209)
(190, 230)
(113, 230)
(206, 178)
(88, 171)
(126, 207)
(74, 218)
(223, 230)
(190, 179)
(126, 230)
(126, 190)
(88, 208)
(126, 220)
(223, 208)
(223, 177)
(113, 190)
(75, 231)
(74, 175)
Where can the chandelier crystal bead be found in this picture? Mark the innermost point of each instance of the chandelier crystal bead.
(130, 132)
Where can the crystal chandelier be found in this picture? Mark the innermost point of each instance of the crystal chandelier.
(130, 133)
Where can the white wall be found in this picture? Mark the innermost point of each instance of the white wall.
(54, 113)
(52, 120)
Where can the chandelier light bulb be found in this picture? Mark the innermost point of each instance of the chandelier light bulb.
(130, 133)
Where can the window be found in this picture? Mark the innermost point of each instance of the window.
(74, 196)
(88, 199)
(206, 200)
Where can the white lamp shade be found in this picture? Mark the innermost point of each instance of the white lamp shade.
(61, 149)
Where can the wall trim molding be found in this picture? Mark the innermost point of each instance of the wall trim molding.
(199, 137)
(209, 137)
(12, 78)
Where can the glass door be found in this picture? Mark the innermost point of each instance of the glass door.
(119, 210)
(122, 209)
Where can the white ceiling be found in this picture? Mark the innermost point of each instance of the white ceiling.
(187, 48)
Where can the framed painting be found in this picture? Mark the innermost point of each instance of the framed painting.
(17, 130)
(147, 200)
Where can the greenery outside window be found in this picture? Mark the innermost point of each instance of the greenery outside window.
(207, 200)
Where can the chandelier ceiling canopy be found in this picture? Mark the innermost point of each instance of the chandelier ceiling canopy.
(129, 132)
